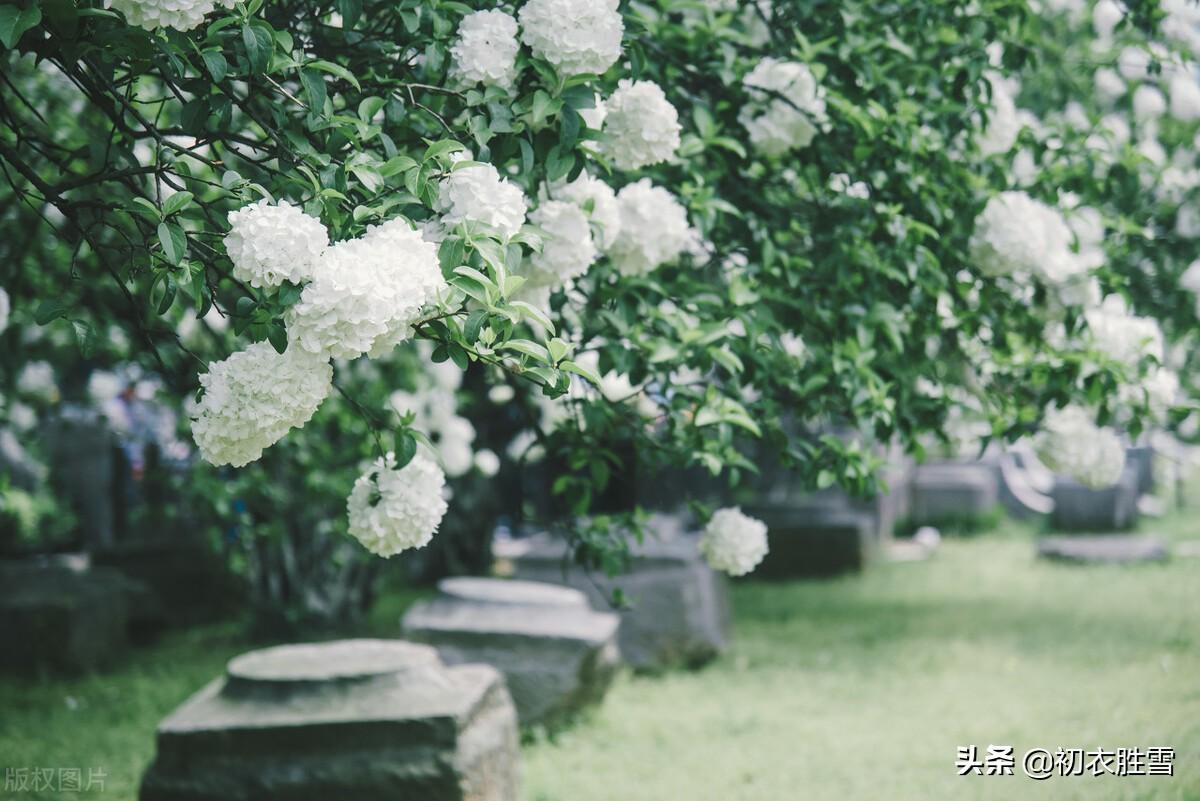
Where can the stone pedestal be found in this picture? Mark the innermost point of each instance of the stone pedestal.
(680, 613)
(1111, 549)
(1078, 508)
(62, 619)
(360, 720)
(83, 457)
(952, 493)
(821, 535)
(556, 654)
(1141, 457)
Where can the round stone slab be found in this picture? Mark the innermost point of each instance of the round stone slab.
(509, 592)
(1112, 549)
(298, 667)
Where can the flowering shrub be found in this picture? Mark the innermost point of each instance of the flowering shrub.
(669, 230)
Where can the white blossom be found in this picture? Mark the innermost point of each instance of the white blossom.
(1185, 96)
(641, 126)
(1109, 85)
(182, 15)
(1070, 443)
(786, 106)
(1121, 336)
(1157, 392)
(1003, 123)
(487, 462)
(486, 49)
(576, 36)
(478, 195)
(367, 293)
(1148, 103)
(567, 249)
(5, 309)
(598, 201)
(734, 542)
(391, 510)
(1018, 235)
(1134, 63)
(273, 243)
(253, 398)
(654, 228)
(1105, 17)
(36, 380)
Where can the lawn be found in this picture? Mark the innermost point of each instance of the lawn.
(858, 688)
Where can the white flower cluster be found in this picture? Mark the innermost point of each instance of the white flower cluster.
(734, 542)
(576, 36)
(598, 201)
(1004, 124)
(486, 49)
(5, 309)
(255, 397)
(1019, 236)
(270, 243)
(182, 15)
(641, 126)
(1121, 336)
(1157, 393)
(567, 247)
(435, 412)
(391, 510)
(367, 293)
(478, 195)
(36, 380)
(1185, 95)
(786, 108)
(1072, 444)
(654, 228)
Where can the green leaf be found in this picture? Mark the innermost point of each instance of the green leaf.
(351, 11)
(177, 203)
(168, 297)
(528, 348)
(405, 447)
(314, 88)
(14, 21)
(278, 338)
(50, 310)
(215, 63)
(85, 337)
(572, 367)
(441, 147)
(258, 44)
(173, 241)
(334, 69)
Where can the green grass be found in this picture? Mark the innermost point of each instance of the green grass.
(858, 688)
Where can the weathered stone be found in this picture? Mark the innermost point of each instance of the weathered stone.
(368, 720)
(680, 613)
(83, 457)
(1104, 549)
(62, 619)
(953, 493)
(819, 535)
(1142, 459)
(186, 578)
(556, 654)
(1079, 508)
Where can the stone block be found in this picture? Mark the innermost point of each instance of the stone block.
(557, 654)
(953, 493)
(185, 577)
(680, 613)
(61, 619)
(814, 538)
(1079, 508)
(1142, 459)
(1110, 549)
(368, 720)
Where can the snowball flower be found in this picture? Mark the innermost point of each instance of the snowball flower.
(367, 293)
(5, 309)
(1158, 392)
(182, 15)
(253, 398)
(1121, 336)
(1003, 124)
(1109, 85)
(487, 462)
(486, 49)
(779, 124)
(1072, 444)
(103, 386)
(391, 510)
(576, 36)
(641, 125)
(1105, 17)
(567, 249)
(734, 542)
(1017, 235)
(1185, 96)
(1148, 103)
(478, 195)
(654, 228)
(272, 243)
(598, 201)
(36, 380)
